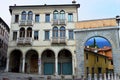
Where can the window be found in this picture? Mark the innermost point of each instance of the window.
(23, 17)
(55, 15)
(37, 18)
(62, 32)
(16, 18)
(70, 17)
(55, 32)
(15, 35)
(29, 32)
(30, 15)
(35, 35)
(71, 34)
(86, 56)
(97, 58)
(22, 32)
(62, 14)
(47, 34)
(47, 17)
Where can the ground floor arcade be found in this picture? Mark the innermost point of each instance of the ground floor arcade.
(47, 63)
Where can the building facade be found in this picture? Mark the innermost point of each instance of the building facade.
(42, 39)
(97, 60)
(4, 38)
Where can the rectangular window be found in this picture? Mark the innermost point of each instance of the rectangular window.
(37, 18)
(47, 34)
(71, 34)
(15, 35)
(35, 35)
(70, 17)
(86, 56)
(16, 18)
(47, 17)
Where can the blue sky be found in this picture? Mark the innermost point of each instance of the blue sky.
(89, 9)
(101, 42)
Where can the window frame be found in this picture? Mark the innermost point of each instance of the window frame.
(36, 37)
(16, 20)
(14, 36)
(47, 37)
(70, 17)
(37, 18)
(47, 18)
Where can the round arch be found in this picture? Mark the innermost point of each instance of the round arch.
(15, 61)
(65, 62)
(48, 62)
(31, 61)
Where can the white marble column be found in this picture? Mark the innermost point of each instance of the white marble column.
(39, 66)
(23, 65)
(56, 66)
(7, 65)
(73, 65)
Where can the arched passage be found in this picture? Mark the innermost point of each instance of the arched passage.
(98, 56)
(31, 64)
(65, 62)
(15, 61)
(48, 62)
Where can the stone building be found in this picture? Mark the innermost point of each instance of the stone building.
(105, 28)
(42, 39)
(4, 37)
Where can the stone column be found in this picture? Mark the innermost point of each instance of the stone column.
(56, 65)
(73, 65)
(23, 65)
(7, 65)
(39, 65)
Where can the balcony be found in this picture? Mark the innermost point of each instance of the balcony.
(26, 23)
(59, 22)
(24, 41)
(58, 40)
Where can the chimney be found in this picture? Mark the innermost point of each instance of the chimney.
(73, 1)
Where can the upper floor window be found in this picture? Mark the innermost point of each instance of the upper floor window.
(16, 18)
(37, 17)
(55, 32)
(71, 34)
(47, 17)
(35, 35)
(62, 32)
(70, 17)
(47, 34)
(23, 16)
(22, 32)
(62, 14)
(30, 15)
(55, 14)
(29, 32)
(15, 35)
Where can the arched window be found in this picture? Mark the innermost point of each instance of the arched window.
(55, 15)
(23, 16)
(62, 32)
(29, 32)
(55, 32)
(22, 32)
(62, 14)
(30, 15)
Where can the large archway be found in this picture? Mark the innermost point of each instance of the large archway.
(64, 62)
(48, 62)
(15, 61)
(109, 33)
(31, 62)
(98, 56)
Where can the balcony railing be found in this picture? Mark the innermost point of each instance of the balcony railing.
(24, 41)
(26, 23)
(59, 22)
(58, 40)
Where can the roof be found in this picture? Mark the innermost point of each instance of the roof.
(45, 5)
(2, 21)
(97, 23)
